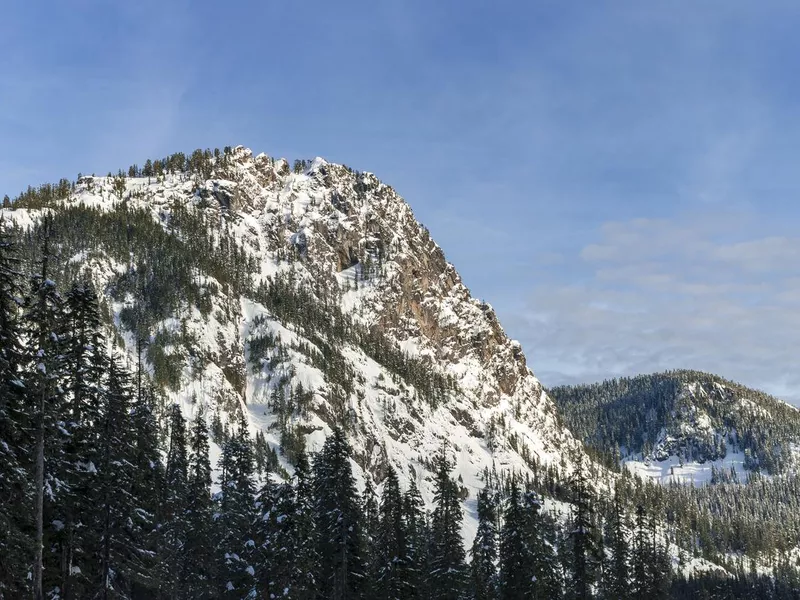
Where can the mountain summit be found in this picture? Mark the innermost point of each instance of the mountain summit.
(307, 296)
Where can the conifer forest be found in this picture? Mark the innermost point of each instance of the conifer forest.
(114, 483)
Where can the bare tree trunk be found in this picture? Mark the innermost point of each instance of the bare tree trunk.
(38, 566)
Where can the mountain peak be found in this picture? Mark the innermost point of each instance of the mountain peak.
(315, 298)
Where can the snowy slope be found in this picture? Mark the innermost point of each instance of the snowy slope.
(685, 426)
(343, 237)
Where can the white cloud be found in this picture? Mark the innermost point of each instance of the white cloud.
(670, 293)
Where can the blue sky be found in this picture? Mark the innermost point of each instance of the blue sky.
(628, 168)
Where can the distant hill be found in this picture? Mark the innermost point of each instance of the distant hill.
(692, 416)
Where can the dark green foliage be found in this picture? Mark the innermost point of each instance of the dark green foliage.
(236, 507)
(85, 369)
(43, 367)
(199, 558)
(418, 543)
(616, 571)
(391, 549)
(516, 566)
(369, 529)
(174, 532)
(337, 511)
(484, 548)
(582, 541)
(448, 569)
(15, 485)
(629, 413)
(323, 323)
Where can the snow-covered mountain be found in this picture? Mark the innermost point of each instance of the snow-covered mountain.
(685, 426)
(308, 297)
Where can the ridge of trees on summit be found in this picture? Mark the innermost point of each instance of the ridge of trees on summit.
(631, 414)
(192, 256)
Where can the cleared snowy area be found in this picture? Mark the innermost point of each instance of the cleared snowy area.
(692, 473)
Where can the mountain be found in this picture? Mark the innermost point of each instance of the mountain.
(307, 296)
(683, 425)
(303, 309)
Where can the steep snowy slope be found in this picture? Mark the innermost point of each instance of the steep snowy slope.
(308, 297)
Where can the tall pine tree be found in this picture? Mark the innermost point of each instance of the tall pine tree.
(392, 543)
(199, 534)
(448, 569)
(337, 510)
(484, 548)
(15, 540)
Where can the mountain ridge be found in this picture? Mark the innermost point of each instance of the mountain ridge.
(255, 233)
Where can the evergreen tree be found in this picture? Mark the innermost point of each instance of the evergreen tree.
(174, 532)
(113, 548)
(540, 535)
(337, 511)
(268, 529)
(392, 543)
(448, 570)
(147, 486)
(660, 565)
(44, 320)
(199, 556)
(236, 513)
(418, 542)
(484, 548)
(283, 568)
(85, 367)
(516, 558)
(640, 579)
(582, 539)
(15, 542)
(615, 582)
(306, 558)
(369, 530)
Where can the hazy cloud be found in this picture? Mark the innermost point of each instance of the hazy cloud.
(664, 294)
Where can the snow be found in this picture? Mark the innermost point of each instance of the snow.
(693, 473)
(270, 212)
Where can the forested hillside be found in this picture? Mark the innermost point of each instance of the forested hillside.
(694, 416)
(223, 377)
(121, 491)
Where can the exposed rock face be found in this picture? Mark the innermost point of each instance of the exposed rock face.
(352, 240)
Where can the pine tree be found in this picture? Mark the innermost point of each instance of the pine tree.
(582, 539)
(199, 557)
(516, 560)
(268, 529)
(369, 530)
(85, 367)
(640, 579)
(147, 487)
(392, 543)
(337, 512)
(448, 570)
(418, 542)
(15, 547)
(484, 548)
(44, 320)
(236, 513)
(306, 557)
(660, 565)
(110, 546)
(541, 533)
(174, 531)
(615, 582)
